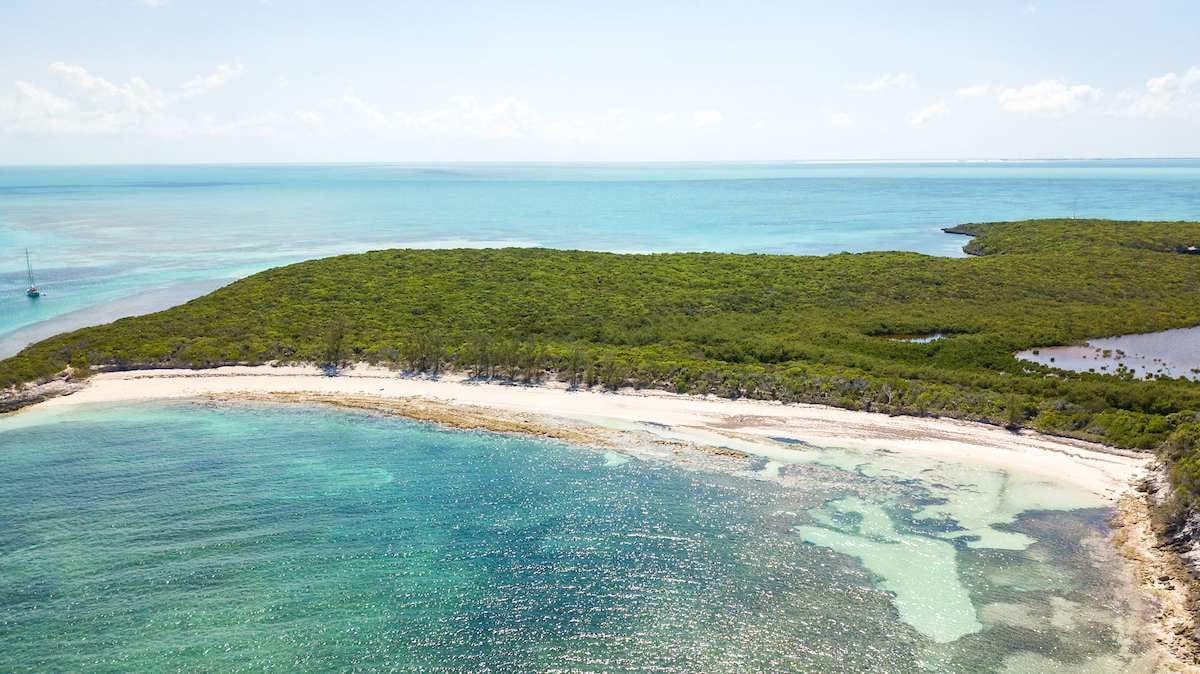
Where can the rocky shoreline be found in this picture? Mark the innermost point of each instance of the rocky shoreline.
(32, 394)
(468, 417)
(1163, 569)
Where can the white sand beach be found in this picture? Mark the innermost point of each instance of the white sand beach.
(1101, 471)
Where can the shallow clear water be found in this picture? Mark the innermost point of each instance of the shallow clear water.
(101, 235)
(184, 535)
(1168, 353)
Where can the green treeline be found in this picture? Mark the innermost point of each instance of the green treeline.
(791, 328)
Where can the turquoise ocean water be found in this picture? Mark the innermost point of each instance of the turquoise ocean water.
(184, 536)
(187, 536)
(110, 241)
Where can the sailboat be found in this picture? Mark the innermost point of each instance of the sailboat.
(32, 290)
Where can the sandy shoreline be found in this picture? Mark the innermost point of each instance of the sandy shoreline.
(1101, 471)
(738, 435)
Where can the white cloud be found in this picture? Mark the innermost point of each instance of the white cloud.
(369, 112)
(309, 117)
(84, 103)
(1049, 96)
(703, 118)
(508, 118)
(464, 117)
(929, 113)
(1172, 83)
(33, 109)
(214, 80)
(136, 95)
(81, 104)
(467, 117)
(604, 127)
(975, 91)
(1166, 95)
(42, 100)
(883, 82)
(155, 3)
(69, 99)
(256, 125)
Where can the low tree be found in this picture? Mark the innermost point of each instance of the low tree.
(1014, 413)
(575, 367)
(333, 358)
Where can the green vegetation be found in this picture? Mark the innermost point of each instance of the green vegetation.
(1181, 452)
(811, 329)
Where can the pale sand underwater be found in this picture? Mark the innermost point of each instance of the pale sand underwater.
(983, 476)
(1100, 471)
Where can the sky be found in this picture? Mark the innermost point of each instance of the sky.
(177, 81)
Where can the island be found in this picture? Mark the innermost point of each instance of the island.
(897, 333)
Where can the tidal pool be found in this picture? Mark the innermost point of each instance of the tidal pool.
(1169, 353)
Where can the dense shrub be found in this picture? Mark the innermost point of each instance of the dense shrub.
(792, 328)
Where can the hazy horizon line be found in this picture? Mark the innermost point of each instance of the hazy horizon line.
(607, 162)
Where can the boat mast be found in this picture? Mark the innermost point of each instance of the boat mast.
(28, 268)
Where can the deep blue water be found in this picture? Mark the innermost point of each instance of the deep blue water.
(109, 241)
